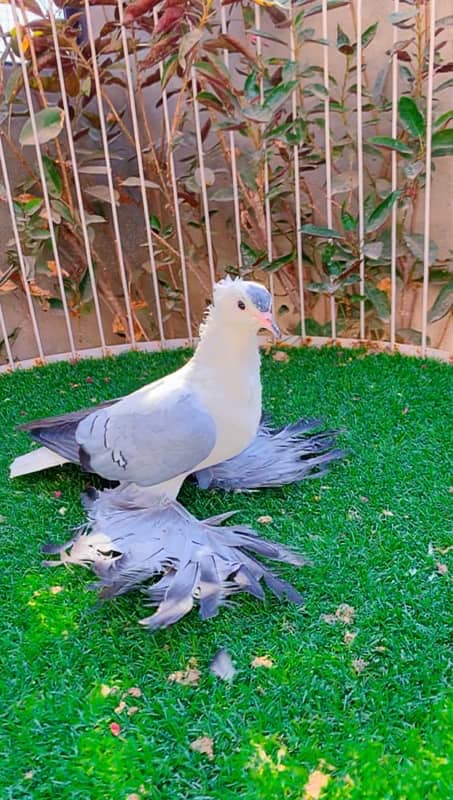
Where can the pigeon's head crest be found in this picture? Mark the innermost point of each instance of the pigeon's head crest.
(244, 303)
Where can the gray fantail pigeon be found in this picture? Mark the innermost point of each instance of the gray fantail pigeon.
(203, 419)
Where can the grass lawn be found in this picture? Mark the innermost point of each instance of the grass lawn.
(364, 702)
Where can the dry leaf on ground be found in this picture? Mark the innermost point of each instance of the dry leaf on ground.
(444, 550)
(265, 519)
(134, 691)
(132, 710)
(441, 568)
(120, 707)
(280, 356)
(186, 677)
(317, 781)
(349, 637)
(29, 775)
(344, 613)
(56, 589)
(204, 744)
(106, 690)
(359, 665)
(263, 661)
(222, 666)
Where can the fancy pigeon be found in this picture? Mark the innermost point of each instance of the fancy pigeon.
(197, 420)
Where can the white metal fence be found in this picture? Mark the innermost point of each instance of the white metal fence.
(36, 98)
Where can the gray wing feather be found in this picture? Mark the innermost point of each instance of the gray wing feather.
(149, 437)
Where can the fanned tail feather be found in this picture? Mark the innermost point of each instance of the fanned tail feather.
(277, 456)
(127, 543)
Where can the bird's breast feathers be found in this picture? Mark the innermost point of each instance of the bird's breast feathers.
(236, 410)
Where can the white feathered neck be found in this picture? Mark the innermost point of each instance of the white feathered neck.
(225, 345)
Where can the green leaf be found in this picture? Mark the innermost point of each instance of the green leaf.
(49, 122)
(411, 117)
(278, 263)
(223, 194)
(169, 69)
(369, 34)
(134, 181)
(373, 250)
(415, 243)
(443, 119)
(344, 182)
(400, 17)
(442, 143)
(63, 210)
(379, 301)
(343, 42)
(53, 178)
(391, 144)
(155, 223)
(322, 288)
(30, 207)
(330, 4)
(276, 96)
(13, 84)
(442, 304)
(101, 192)
(409, 336)
(251, 85)
(210, 100)
(250, 256)
(324, 233)
(381, 212)
(187, 44)
(347, 220)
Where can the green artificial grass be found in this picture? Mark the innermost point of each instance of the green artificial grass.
(376, 528)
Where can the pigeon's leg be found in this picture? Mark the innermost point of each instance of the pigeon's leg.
(277, 456)
(127, 543)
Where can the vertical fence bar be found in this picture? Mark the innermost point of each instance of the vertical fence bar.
(427, 209)
(360, 165)
(267, 202)
(108, 165)
(20, 254)
(174, 187)
(204, 189)
(141, 171)
(297, 199)
(42, 175)
(76, 179)
(394, 182)
(6, 343)
(328, 150)
(234, 177)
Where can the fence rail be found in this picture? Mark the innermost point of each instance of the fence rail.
(356, 254)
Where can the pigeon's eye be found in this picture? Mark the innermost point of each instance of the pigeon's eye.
(241, 305)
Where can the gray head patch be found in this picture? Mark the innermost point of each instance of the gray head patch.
(259, 296)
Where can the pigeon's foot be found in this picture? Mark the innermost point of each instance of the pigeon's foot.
(126, 545)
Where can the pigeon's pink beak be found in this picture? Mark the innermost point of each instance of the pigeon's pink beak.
(268, 322)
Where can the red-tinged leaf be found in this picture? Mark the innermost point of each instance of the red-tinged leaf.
(445, 67)
(226, 42)
(169, 19)
(138, 8)
(115, 729)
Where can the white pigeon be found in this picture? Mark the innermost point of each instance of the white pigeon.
(203, 414)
